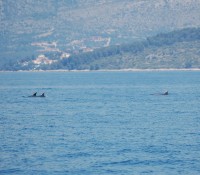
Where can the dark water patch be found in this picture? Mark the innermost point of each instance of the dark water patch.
(11, 171)
(156, 149)
(150, 162)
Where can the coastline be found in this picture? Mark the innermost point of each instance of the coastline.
(110, 70)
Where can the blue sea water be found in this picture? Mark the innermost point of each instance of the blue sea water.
(100, 123)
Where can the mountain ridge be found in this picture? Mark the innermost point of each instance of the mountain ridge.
(32, 28)
(178, 49)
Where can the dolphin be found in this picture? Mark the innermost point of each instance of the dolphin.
(42, 95)
(34, 95)
(165, 93)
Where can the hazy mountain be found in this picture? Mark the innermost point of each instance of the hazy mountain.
(29, 28)
(177, 49)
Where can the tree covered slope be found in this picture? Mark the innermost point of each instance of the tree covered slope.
(30, 28)
(178, 49)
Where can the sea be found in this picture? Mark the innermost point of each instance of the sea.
(100, 123)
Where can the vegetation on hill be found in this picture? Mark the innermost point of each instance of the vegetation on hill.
(30, 28)
(178, 49)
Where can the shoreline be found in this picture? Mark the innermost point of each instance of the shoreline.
(110, 70)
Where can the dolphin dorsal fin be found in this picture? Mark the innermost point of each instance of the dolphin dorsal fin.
(166, 93)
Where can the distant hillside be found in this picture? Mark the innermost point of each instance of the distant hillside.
(177, 49)
(30, 29)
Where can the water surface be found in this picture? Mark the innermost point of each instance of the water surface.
(100, 123)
